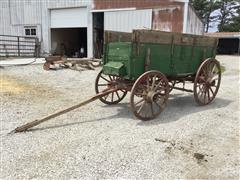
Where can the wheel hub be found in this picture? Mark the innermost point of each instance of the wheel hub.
(151, 95)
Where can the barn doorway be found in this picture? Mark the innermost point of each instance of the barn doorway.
(70, 42)
(229, 46)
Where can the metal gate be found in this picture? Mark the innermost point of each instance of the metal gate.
(11, 46)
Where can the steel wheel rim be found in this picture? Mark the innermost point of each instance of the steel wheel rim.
(149, 95)
(207, 82)
(105, 82)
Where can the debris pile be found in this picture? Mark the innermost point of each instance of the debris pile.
(79, 64)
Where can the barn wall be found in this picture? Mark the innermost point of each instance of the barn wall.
(127, 20)
(139, 4)
(194, 24)
(167, 15)
(15, 14)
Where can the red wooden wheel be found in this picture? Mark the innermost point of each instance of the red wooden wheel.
(104, 82)
(207, 81)
(149, 95)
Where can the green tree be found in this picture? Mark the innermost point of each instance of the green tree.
(234, 25)
(204, 9)
(228, 15)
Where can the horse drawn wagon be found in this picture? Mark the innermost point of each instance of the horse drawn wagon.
(149, 64)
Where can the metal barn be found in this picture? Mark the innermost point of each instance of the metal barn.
(75, 27)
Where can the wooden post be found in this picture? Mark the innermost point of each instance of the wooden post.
(18, 45)
(37, 48)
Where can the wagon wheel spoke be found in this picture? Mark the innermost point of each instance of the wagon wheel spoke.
(141, 107)
(148, 84)
(204, 97)
(142, 100)
(208, 94)
(123, 90)
(151, 107)
(210, 88)
(117, 95)
(105, 97)
(110, 77)
(205, 73)
(104, 78)
(103, 84)
(202, 78)
(215, 78)
(153, 82)
(213, 69)
(157, 86)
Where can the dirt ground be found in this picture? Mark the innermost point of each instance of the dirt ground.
(99, 141)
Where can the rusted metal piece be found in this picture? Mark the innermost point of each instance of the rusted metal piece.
(168, 18)
(140, 4)
(54, 62)
(58, 113)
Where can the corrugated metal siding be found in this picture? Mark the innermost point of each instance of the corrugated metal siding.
(194, 24)
(25, 12)
(126, 21)
(69, 17)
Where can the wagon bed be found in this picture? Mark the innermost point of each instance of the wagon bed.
(173, 54)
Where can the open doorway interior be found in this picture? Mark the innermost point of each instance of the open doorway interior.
(98, 34)
(69, 42)
(229, 46)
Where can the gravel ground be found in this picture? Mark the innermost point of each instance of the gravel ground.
(100, 141)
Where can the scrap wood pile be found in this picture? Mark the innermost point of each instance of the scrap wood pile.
(80, 64)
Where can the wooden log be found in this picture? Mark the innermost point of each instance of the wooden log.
(58, 113)
(84, 59)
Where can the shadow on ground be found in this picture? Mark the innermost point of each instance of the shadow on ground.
(178, 106)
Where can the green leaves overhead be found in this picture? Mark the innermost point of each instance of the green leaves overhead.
(225, 12)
